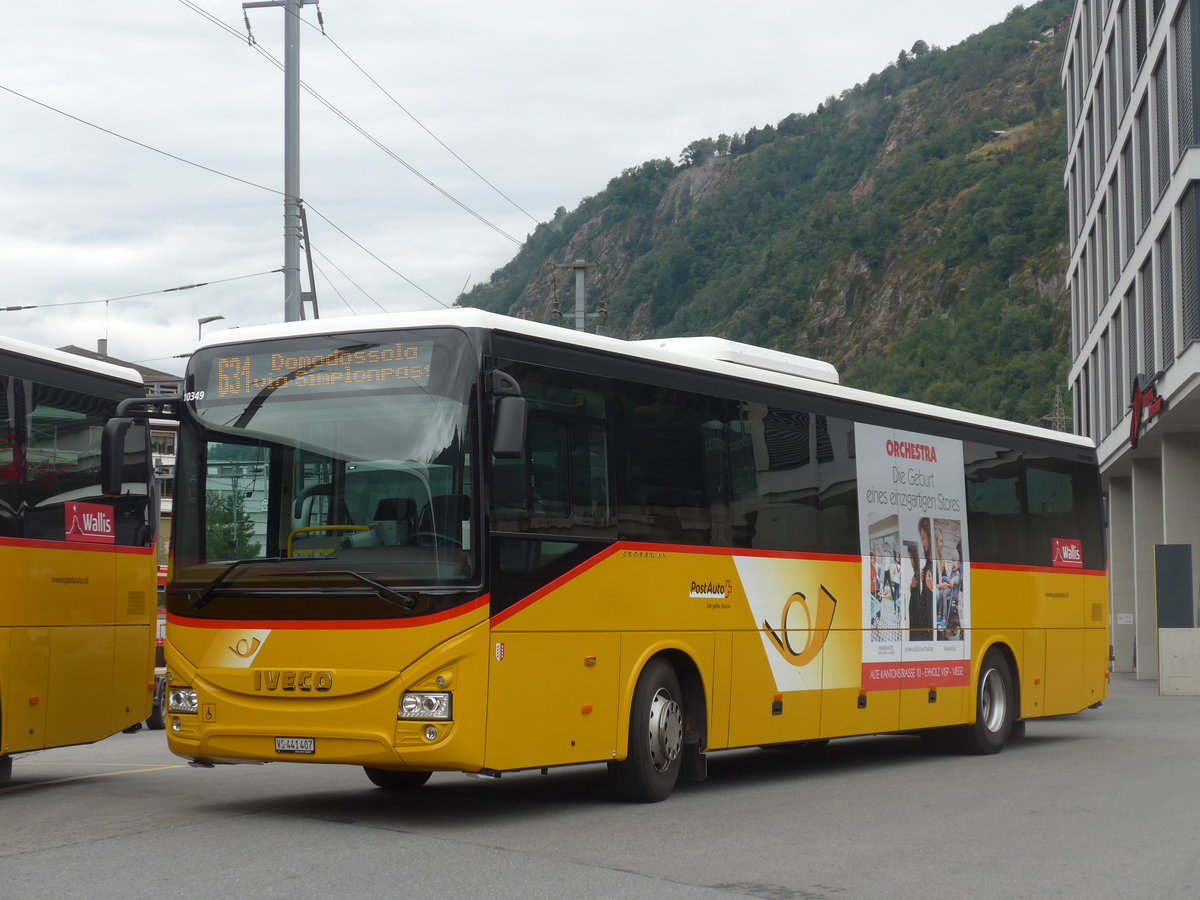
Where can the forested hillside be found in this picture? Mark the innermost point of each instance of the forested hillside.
(911, 230)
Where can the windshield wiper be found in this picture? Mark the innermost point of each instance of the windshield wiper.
(206, 595)
(382, 591)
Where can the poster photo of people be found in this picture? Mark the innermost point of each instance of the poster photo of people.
(916, 571)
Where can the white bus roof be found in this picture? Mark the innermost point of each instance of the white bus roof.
(736, 360)
(69, 360)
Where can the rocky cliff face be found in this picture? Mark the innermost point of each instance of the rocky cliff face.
(931, 194)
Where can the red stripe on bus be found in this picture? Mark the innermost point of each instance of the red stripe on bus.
(31, 544)
(1036, 570)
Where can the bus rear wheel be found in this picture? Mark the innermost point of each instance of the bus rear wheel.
(995, 708)
(651, 767)
(391, 780)
(5, 768)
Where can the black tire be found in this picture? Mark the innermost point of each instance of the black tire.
(157, 720)
(5, 768)
(391, 780)
(651, 768)
(995, 708)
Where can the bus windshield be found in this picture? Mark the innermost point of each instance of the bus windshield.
(331, 476)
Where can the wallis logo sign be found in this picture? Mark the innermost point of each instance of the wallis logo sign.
(90, 523)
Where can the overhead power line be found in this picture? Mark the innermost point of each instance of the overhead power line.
(363, 132)
(182, 287)
(423, 127)
(206, 169)
(136, 143)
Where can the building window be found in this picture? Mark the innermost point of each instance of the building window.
(1145, 278)
(1166, 294)
(1162, 115)
(1126, 36)
(1189, 264)
(1127, 178)
(162, 443)
(1103, 373)
(1102, 274)
(1145, 163)
(1139, 30)
(1187, 94)
(1131, 337)
(1117, 373)
(1112, 89)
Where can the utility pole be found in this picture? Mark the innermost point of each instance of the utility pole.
(580, 303)
(293, 308)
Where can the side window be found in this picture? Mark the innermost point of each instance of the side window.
(793, 481)
(549, 468)
(10, 475)
(776, 499)
(994, 517)
(561, 484)
(838, 478)
(63, 449)
(1061, 501)
(665, 491)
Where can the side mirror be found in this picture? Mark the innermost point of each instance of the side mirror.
(112, 455)
(508, 435)
(130, 412)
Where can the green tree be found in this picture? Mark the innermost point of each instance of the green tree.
(230, 531)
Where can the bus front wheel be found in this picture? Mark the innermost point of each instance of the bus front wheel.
(391, 780)
(650, 769)
(5, 768)
(995, 708)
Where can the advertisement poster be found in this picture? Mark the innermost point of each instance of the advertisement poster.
(916, 574)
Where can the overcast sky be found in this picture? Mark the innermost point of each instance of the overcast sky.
(546, 101)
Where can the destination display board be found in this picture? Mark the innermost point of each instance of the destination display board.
(252, 372)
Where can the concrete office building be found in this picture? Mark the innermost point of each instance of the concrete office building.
(1131, 72)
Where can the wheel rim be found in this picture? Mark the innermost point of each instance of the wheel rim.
(993, 701)
(666, 730)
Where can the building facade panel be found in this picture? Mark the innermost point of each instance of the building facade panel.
(1133, 82)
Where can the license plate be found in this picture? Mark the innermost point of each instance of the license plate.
(295, 745)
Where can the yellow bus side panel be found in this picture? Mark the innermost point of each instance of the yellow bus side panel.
(26, 664)
(720, 704)
(1095, 670)
(922, 708)
(80, 686)
(133, 675)
(1064, 671)
(842, 715)
(1033, 674)
(552, 699)
(755, 716)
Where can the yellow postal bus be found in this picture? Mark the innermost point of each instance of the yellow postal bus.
(454, 541)
(77, 605)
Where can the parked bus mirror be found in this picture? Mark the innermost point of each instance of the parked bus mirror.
(112, 454)
(508, 437)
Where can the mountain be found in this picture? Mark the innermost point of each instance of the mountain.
(912, 231)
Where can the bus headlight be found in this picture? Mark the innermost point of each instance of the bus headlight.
(182, 700)
(425, 705)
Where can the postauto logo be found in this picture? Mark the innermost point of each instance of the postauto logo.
(711, 590)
